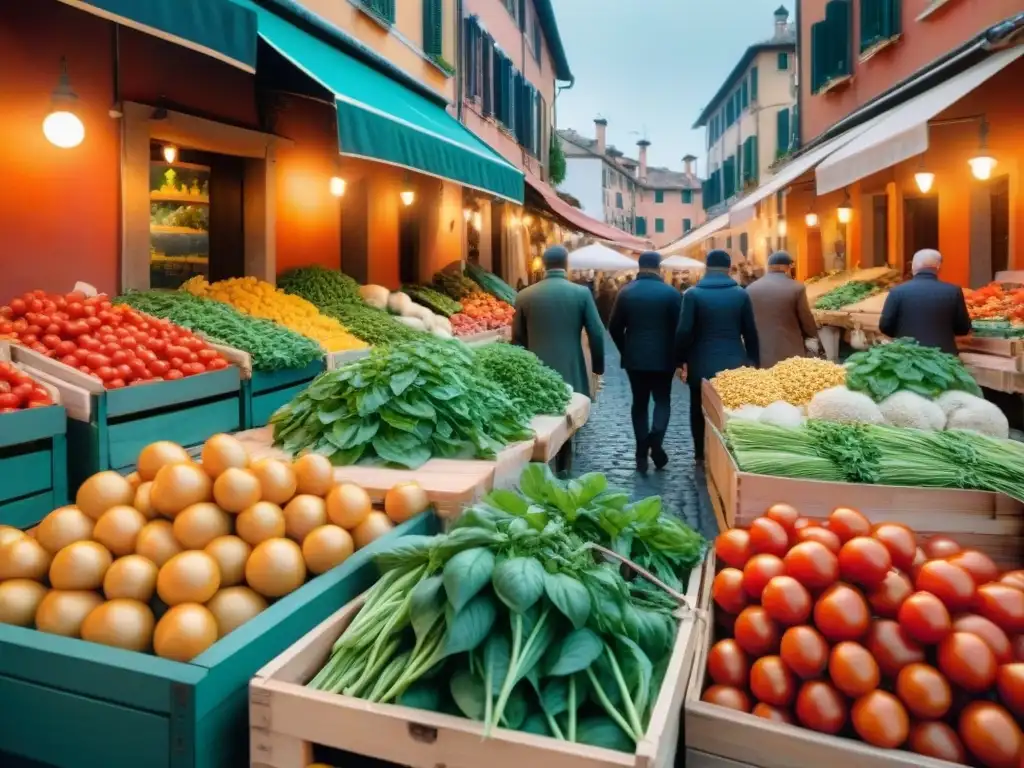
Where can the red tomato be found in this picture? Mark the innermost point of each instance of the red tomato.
(732, 547)
(821, 707)
(775, 714)
(123, 371)
(727, 590)
(1018, 647)
(18, 307)
(81, 355)
(976, 563)
(115, 384)
(925, 691)
(216, 365)
(206, 355)
(103, 373)
(8, 400)
(990, 734)
(853, 670)
(924, 617)
(937, 740)
(787, 601)
(993, 636)
(940, 546)
(51, 341)
(76, 329)
(821, 535)
(118, 356)
(75, 309)
(783, 514)
(804, 651)
(96, 360)
(880, 719)
(967, 661)
(887, 598)
(173, 375)
(1010, 684)
(901, 543)
(772, 682)
(1003, 605)
(66, 348)
(841, 613)
(90, 342)
(864, 561)
(812, 564)
(768, 537)
(759, 570)
(176, 363)
(1013, 579)
(39, 393)
(159, 367)
(29, 340)
(755, 631)
(728, 664)
(951, 584)
(70, 360)
(727, 696)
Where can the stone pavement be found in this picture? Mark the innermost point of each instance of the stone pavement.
(606, 445)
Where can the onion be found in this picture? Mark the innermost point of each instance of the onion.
(157, 455)
(235, 489)
(134, 480)
(177, 486)
(260, 522)
(304, 513)
(156, 542)
(372, 528)
(188, 577)
(9, 534)
(277, 479)
(81, 565)
(314, 474)
(23, 558)
(234, 606)
(124, 624)
(404, 501)
(19, 600)
(276, 568)
(118, 529)
(231, 554)
(184, 632)
(103, 491)
(326, 547)
(198, 525)
(222, 452)
(63, 526)
(62, 611)
(348, 505)
(132, 577)
(142, 500)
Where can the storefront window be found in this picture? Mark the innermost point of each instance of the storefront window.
(179, 223)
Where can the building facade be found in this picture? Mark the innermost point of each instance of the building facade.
(654, 203)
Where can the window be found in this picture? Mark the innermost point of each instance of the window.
(604, 177)
(487, 69)
(830, 46)
(879, 22)
(474, 39)
(687, 196)
(659, 196)
(687, 225)
(659, 225)
(728, 241)
(618, 200)
(512, 6)
(744, 96)
(781, 132)
(783, 61)
(743, 243)
(753, 83)
(537, 39)
(729, 172)
(384, 10)
(433, 35)
(750, 160)
(641, 226)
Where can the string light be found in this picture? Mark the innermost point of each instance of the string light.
(62, 127)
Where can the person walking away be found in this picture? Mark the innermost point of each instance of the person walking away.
(926, 309)
(716, 332)
(782, 313)
(606, 296)
(549, 320)
(643, 326)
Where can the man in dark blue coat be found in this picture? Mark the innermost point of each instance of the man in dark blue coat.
(716, 332)
(925, 309)
(643, 325)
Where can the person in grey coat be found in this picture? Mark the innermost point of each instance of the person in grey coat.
(782, 313)
(716, 332)
(925, 309)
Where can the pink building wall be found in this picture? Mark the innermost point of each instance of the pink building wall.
(672, 210)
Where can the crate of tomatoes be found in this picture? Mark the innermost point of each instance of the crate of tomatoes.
(846, 643)
(125, 378)
(33, 450)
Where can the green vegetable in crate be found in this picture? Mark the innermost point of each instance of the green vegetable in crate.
(324, 287)
(433, 300)
(401, 405)
(904, 364)
(491, 283)
(846, 294)
(512, 619)
(372, 325)
(272, 347)
(455, 285)
(524, 378)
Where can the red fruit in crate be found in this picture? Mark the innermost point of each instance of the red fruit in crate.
(887, 598)
(732, 547)
(812, 564)
(967, 661)
(1013, 579)
(728, 664)
(821, 707)
(880, 719)
(853, 670)
(801, 523)
(938, 740)
(755, 631)
(775, 714)
(1002, 605)
(804, 651)
(892, 647)
(925, 691)
(976, 563)
(727, 590)
(821, 535)
(993, 636)
(727, 696)
(1010, 685)
(758, 571)
(924, 617)
(901, 543)
(940, 546)
(1018, 647)
(991, 735)
(772, 682)
(950, 583)
(864, 561)
(841, 613)
(787, 600)
(848, 523)
(783, 514)
(768, 537)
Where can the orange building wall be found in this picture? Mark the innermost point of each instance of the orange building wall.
(922, 42)
(58, 207)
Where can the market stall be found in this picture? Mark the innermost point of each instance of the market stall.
(848, 303)
(994, 351)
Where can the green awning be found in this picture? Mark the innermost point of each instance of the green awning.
(380, 119)
(217, 28)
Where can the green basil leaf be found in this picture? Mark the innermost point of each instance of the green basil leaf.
(426, 605)
(519, 583)
(402, 381)
(466, 574)
(637, 669)
(516, 710)
(369, 401)
(468, 692)
(575, 653)
(470, 626)
(554, 697)
(535, 482)
(603, 732)
(569, 596)
(537, 724)
(508, 501)
(497, 659)
(421, 696)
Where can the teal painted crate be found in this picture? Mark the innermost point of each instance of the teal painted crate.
(265, 392)
(70, 704)
(33, 465)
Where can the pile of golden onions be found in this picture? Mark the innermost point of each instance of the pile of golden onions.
(178, 554)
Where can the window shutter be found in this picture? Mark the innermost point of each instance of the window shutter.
(687, 225)
(819, 55)
(522, 15)
(487, 74)
(744, 96)
(838, 18)
(755, 160)
(641, 225)
(782, 131)
(432, 28)
(783, 61)
(383, 8)
(659, 225)
(544, 145)
(537, 39)
(753, 83)
(879, 21)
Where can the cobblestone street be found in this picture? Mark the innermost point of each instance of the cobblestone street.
(606, 445)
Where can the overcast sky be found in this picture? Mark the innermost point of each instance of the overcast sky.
(649, 66)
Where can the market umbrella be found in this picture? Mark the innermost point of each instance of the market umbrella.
(601, 258)
(681, 262)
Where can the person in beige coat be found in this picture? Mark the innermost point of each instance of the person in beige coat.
(785, 325)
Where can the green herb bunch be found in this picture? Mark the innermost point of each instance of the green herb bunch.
(433, 300)
(455, 284)
(271, 346)
(401, 405)
(524, 378)
(846, 294)
(324, 287)
(374, 326)
(904, 364)
(491, 283)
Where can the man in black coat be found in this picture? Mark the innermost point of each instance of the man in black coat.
(716, 332)
(925, 309)
(643, 325)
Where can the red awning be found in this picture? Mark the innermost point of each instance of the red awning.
(576, 219)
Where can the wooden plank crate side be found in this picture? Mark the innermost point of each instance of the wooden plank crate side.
(288, 719)
(755, 741)
(202, 704)
(32, 424)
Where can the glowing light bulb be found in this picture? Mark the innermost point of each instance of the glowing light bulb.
(982, 167)
(408, 196)
(782, 228)
(478, 221)
(924, 181)
(63, 129)
(170, 153)
(467, 214)
(845, 213)
(811, 219)
(337, 186)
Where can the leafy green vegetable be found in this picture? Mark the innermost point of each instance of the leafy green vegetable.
(454, 284)
(372, 325)
(904, 364)
(846, 294)
(433, 300)
(491, 283)
(400, 406)
(524, 378)
(272, 347)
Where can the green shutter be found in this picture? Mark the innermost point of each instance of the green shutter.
(382, 9)
(819, 55)
(879, 21)
(659, 225)
(783, 61)
(687, 196)
(687, 225)
(641, 226)
(744, 95)
(781, 132)
(753, 83)
(659, 196)
(433, 35)
(838, 17)
(755, 160)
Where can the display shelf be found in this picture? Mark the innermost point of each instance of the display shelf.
(167, 229)
(178, 197)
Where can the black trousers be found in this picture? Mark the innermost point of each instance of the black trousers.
(697, 419)
(646, 385)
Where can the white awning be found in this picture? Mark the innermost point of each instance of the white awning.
(601, 258)
(744, 210)
(698, 235)
(681, 262)
(902, 132)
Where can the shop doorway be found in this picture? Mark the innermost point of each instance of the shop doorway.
(409, 245)
(920, 225)
(999, 190)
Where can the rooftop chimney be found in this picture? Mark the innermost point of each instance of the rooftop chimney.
(781, 21)
(601, 125)
(688, 162)
(643, 144)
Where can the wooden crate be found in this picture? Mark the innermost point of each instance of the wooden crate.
(991, 522)
(553, 432)
(107, 429)
(486, 337)
(288, 720)
(120, 709)
(992, 346)
(265, 392)
(754, 741)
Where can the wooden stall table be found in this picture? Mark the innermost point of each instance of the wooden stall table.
(553, 432)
